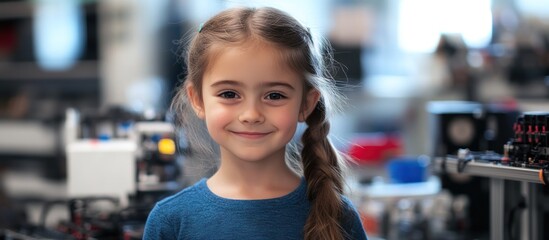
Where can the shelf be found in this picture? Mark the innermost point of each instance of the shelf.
(487, 169)
(22, 71)
(163, 186)
(25, 9)
(28, 138)
(15, 9)
(381, 190)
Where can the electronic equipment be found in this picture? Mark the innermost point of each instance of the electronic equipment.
(530, 146)
(158, 161)
(120, 155)
(97, 217)
(478, 127)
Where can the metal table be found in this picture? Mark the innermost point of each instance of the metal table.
(529, 178)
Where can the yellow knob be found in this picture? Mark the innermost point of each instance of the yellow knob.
(166, 146)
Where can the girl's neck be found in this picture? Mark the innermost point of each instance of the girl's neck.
(253, 180)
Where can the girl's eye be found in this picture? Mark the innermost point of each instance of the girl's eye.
(228, 94)
(275, 96)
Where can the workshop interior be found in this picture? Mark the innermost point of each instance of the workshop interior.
(446, 122)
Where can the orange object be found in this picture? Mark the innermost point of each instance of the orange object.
(541, 176)
(370, 224)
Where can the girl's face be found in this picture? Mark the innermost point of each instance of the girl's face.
(251, 102)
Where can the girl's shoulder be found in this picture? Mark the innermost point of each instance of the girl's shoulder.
(167, 216)
(185, 197)
(352, 223)
(349, 207)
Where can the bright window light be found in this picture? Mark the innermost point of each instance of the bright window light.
(59, 34)
(534, 7)
(421, 22)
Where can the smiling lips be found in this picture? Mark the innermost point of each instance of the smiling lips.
(251, 135)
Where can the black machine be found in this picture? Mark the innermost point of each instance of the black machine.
(526, 151)
(480, 128)
(475, 126)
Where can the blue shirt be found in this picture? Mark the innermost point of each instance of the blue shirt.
(197, 213)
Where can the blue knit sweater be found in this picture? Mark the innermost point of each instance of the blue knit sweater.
(197, 213)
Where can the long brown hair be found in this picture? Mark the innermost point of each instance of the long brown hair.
(320, 162)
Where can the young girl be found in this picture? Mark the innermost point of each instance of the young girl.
(253, 74)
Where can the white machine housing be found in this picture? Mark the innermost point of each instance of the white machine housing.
(102, 168)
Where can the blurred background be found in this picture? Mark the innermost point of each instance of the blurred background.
(87, 143)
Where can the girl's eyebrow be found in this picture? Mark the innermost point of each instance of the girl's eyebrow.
(267, 84)
(279, 84)
(226, 82)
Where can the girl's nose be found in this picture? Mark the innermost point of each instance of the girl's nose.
(252, 114)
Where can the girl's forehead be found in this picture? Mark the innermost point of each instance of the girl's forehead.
(250, 63)
(255, 51)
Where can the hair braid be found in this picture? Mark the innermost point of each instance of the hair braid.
(324, 179)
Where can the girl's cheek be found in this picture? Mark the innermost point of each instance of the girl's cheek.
(221, 111)
(286, 120)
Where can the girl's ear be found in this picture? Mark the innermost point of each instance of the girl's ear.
(311, 99)
(195, 100)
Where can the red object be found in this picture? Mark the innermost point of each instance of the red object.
(7, 38)
(375, 148)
